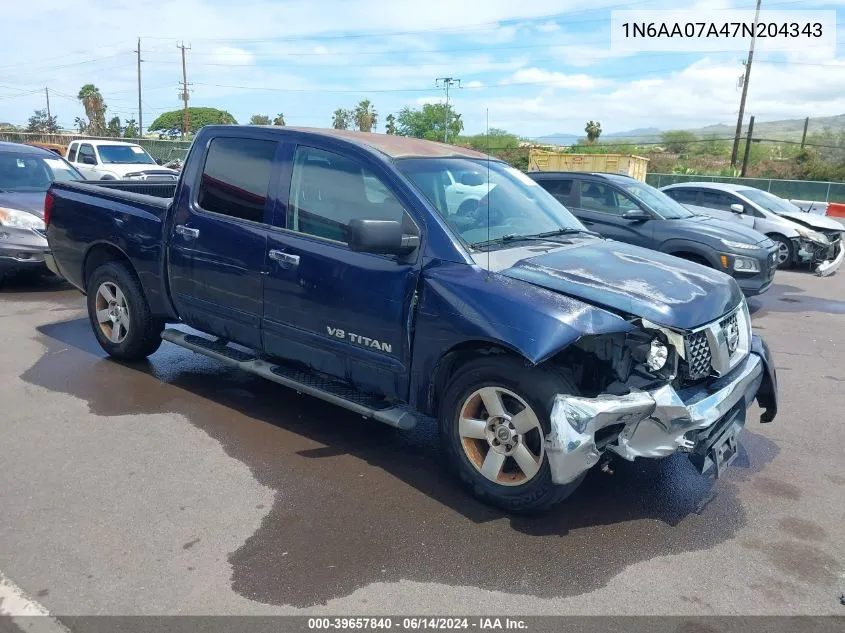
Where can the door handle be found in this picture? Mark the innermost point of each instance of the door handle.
(285, 259)
(187, 232)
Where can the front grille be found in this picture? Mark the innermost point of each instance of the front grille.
(730, 327)
(698, 361)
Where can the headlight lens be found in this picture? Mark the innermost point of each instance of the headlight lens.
(813, 236)
(657, 356)
(746, 264)
(20, 219)
(739, 245)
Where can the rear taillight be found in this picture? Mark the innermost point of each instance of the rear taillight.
(48, 207)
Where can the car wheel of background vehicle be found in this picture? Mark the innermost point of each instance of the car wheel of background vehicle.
(120, 315)
(494, 418)
(785, 252)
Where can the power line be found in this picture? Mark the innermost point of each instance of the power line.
(448, 82)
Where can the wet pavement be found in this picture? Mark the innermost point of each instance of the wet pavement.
(177, 485)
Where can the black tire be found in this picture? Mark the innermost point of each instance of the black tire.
(784, 245)
(143, 335)
(538, 387)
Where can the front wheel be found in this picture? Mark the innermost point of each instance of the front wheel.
(494, 420)
(785, 252)
(120, 315)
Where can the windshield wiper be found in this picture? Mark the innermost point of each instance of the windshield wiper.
(512, 237)
(566, 231)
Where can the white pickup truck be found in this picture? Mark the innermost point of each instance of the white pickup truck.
(115, 160)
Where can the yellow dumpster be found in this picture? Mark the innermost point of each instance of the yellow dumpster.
(627, 165)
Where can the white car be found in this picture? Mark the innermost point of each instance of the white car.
(464, 186)
(115, 160)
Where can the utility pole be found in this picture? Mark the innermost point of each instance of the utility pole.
(140, 115)
(748, 142)
(745, 79)
(447, 83)
(47, 92)
(186, 118)
(804, 135)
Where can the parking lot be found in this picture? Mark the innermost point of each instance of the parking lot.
(180, 486)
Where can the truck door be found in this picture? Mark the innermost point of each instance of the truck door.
(219, 240)
(340, 312)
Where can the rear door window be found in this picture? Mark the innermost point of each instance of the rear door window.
(236, 177)
(560, 189)
(719, 200)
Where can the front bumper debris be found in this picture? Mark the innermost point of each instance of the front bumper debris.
(702, 420)
(830, 266)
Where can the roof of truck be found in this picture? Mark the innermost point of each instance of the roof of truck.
(392, 145)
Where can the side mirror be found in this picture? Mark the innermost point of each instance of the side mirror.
(472, 179)
(380, 236)
(635, 214)
(89, 160)
(737, 208)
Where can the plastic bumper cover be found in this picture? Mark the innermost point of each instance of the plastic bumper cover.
(21, 249)
(830, 266)
(657, 423)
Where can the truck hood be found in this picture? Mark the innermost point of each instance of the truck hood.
(31, 201)
(629, 279)
(817, 222)
(133, 168)
(716, 228)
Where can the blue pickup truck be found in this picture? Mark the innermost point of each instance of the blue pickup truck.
(330, 262)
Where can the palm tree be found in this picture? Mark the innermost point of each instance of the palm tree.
(390, 124)
(593, 130)
(365, 116)
(340, 119)
(279, 120)
(95, 108)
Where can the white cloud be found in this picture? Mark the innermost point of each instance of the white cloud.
(232, 56)
(548, 27)
(583, 55)
(556, 79)
(474, 84)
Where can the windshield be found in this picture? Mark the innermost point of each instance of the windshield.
(656, 200)
(768, 201)
(32, 173)
(509, 201)
(124, 154)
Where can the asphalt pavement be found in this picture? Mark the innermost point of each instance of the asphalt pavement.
(178, 486)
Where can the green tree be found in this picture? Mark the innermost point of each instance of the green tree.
(259, 119)
(495, 138)
(114, 128)
(365, 116)
(279, 120)
(390, 124)
(341, 119)
(712, 146)
(95, 109)
(429, 122)
(131, 129)
(678, 141)
(40, 123)
(593, 130)
(200, 117)
(81, 124)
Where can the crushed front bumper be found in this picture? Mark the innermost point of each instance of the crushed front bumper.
(700, 420)
(830, 266)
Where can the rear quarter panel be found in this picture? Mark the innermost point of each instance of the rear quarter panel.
(132, 223)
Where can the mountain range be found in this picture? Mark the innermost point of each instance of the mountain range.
(785, 129)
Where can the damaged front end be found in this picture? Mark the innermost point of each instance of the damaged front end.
(637, 401)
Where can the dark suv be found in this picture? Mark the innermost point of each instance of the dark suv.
(627, 210)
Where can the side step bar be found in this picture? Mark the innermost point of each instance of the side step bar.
(300, 380)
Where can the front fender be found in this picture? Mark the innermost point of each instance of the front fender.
(704, 251)
(460, 303)
(767, 395)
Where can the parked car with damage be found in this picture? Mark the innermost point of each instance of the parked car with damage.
(25, 174)
(327, 261)
(802, 238)
(625, 209)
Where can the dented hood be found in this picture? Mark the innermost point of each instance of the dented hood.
(628, 279)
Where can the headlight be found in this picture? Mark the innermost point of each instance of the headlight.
(739, 245)
(657, 356)
(746, 264)
(20, 219)
(813, 236)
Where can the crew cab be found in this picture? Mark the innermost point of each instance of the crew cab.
(625, 209)
(327, 261)
(115, 160)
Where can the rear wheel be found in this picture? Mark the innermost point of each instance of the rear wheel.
(494, 420)
(785, 252)
(120, 315)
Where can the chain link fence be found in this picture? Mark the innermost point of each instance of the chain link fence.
(161, 150)
(788, 189)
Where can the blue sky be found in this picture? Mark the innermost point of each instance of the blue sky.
(538, 67)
